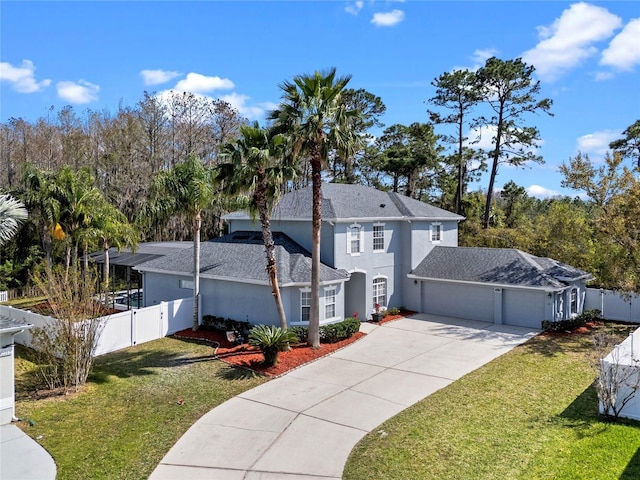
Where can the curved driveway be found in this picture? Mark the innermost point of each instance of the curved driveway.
(304, 424)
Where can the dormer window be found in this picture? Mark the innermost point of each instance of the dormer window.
(355, 240)
(436, 232)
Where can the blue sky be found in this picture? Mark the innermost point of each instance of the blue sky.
(98, 54)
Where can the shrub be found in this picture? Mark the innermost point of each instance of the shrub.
(301, 332)
(392, 311)
(271, 340)
(211, 322)
(571, 324)
(335, 332)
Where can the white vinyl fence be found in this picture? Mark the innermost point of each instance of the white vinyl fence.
(624, 307)
(4, 296)
(621, 369)
(124, 329)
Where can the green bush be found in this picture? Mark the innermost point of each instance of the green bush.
(571, 324)
(211, 322)
(271, 340)
(335, 332)
(332, 333)
(392, 311)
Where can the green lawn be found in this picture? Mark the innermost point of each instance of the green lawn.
(129, 416)
(531, 414)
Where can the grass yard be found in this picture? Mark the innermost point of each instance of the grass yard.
(137, 404)
(530, 414)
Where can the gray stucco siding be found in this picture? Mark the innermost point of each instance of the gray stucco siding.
(160, 287)
(421, 243)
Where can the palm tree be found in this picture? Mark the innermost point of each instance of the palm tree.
(186, 189)
(12, 213)
(257, 167)
(112, 229)
(312, 114)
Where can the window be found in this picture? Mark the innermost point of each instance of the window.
(378, 238)
(330, 303)
(380, 292)
(355, 243)
(436, 232)
(574, 301)
(305, 305)
(186, 284)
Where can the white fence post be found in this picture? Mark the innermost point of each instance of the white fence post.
(4, 296)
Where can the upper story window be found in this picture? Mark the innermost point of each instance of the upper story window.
(305, 305)
(329, 303)
(436, 232)
(378, 237)
(186, 284)
(355, 240)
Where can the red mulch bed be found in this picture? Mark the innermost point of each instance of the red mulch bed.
(586, 328)
(248, 356)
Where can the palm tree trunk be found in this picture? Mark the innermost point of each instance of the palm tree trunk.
(196, 270)
(316, 222)
(270, 249)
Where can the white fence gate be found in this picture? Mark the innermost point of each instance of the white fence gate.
(124, 329)
(4, 296)
(624, 307)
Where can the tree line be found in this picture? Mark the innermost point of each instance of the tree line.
(100, 179)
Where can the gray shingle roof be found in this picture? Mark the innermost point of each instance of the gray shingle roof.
(505, 266)
(10, 325)
(241, 256)
(343, 201)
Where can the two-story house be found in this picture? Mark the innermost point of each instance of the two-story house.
(377, 248)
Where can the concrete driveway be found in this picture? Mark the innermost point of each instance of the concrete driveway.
(304, 424)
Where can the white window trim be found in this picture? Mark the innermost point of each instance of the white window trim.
(361, 240)
(301, 322)
(333, 289)
(432, 229)
(186, 284)
(386, 291)
(384, 238)
(572, 292)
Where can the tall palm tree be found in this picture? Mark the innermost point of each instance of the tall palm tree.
(12, 213)
(258, 169)
(186, 189)
(312, 114)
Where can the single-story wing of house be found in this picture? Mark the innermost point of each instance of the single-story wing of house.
(500, 285)
(234, 282)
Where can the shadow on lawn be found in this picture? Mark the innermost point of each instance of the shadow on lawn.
(632, 470)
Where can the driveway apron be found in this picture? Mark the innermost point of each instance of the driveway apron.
(304, 424)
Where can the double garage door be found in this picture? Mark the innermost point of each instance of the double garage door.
(510, 306)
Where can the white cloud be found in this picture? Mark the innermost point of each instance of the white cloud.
(569, 40)
(252, 112)
(197, 83)
(77, 92)
(22, 78)
(539, 191)
(156, 77)
(623, 52)
(597, 143)
(354, 8)
(388, 19)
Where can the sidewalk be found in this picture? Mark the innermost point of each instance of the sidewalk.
(304, 425)
(22, 458)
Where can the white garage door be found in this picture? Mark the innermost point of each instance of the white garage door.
(523, 308)
(474, 302)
